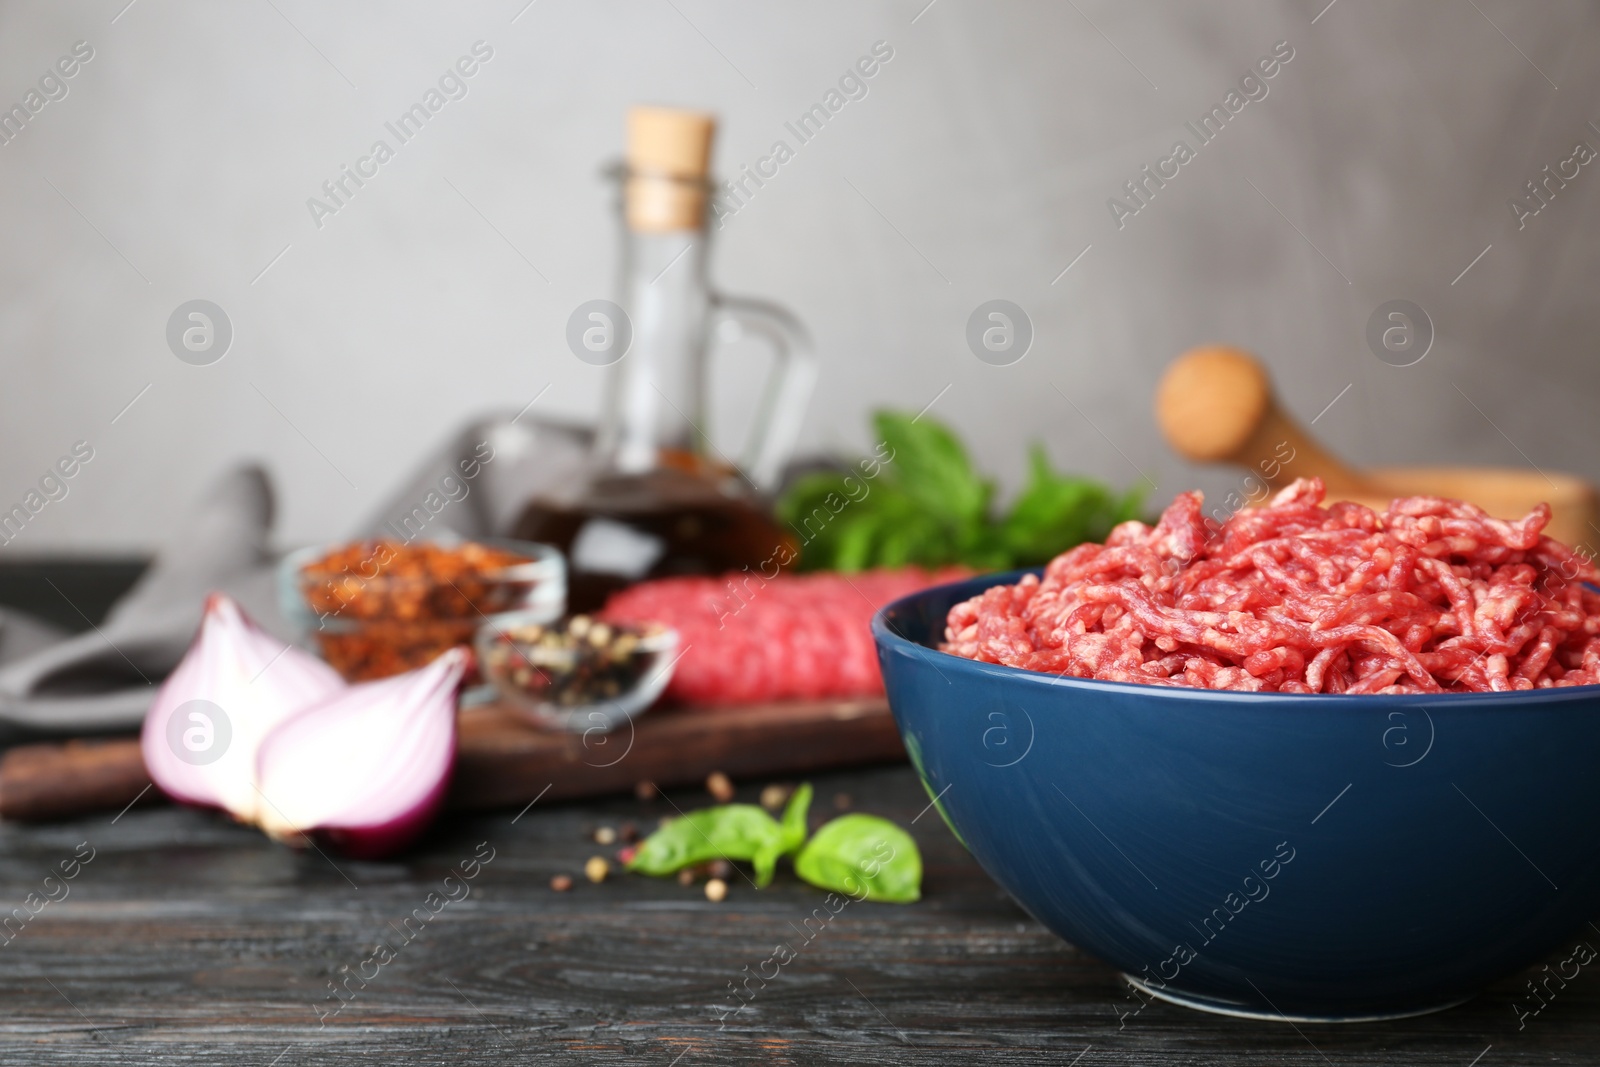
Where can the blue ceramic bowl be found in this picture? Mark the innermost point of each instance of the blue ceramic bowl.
(1310, 857)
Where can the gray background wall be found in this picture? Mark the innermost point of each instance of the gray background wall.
(978, 166)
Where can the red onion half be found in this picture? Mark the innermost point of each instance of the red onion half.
(274, 737)
(233, 686)
(366, 770)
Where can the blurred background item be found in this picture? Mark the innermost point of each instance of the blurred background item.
(1215, 405)
(190, 156)
(659, 497)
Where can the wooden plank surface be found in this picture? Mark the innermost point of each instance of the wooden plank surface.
(190, 940)
(503, 761)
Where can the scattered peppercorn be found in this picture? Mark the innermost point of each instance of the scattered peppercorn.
(686, 876)
(774, 797)
(720, 787)
(645, 790)
(716, 890)
(596, 869)
(842, 801)
(625, 855)
(630, 832)
(561, 883)
(720, 869)
(605, 835)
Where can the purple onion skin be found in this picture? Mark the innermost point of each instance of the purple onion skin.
(378, 840)
(222, 620)
(364, 842)
(392, 837)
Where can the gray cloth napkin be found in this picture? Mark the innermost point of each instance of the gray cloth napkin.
(104, 679)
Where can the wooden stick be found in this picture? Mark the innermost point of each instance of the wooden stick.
(1215, 405)
(502, 761)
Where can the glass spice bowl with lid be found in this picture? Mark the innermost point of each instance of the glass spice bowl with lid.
(375, 608)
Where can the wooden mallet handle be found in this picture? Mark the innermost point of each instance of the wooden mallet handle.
(1215, 405)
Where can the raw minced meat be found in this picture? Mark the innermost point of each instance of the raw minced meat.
(744, 639)
(1431, 595)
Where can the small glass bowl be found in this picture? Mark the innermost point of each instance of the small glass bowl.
(371, 615)
(577, 675)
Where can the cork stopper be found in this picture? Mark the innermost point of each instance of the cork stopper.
(669, 162)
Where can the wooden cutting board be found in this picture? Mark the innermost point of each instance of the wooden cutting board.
(502, 761)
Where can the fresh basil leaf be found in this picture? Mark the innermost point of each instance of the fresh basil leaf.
(851, 548)
(765, 862)
(730, 832)
(1055, 512)
(925, 505)
(895, 551)
(931, 465)
(1051, 514)
(806, 495)
(984, 549)
(793, 826)
(863, 856)
(835, 521)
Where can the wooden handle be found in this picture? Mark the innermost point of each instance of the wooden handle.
(57, 781)
(502, 761)
(1215, 405)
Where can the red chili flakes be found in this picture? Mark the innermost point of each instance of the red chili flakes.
(1432, 595)
(394, 581)
(384, 606)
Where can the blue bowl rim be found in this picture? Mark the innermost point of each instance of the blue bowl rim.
(887, 639)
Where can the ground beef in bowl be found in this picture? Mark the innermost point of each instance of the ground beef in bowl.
(1431, 595)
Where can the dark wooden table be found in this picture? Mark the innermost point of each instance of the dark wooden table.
(189, 940)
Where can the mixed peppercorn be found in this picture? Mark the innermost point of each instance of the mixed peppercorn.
(571, 663)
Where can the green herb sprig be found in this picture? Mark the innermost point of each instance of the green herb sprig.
(861, 855)
(921, 502)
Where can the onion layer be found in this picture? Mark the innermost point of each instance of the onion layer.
(274, 737)
(367, 768)
(233, 686)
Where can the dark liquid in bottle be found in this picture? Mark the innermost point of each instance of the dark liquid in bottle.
(680, 524)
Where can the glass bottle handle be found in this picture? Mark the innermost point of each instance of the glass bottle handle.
(787, 390)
